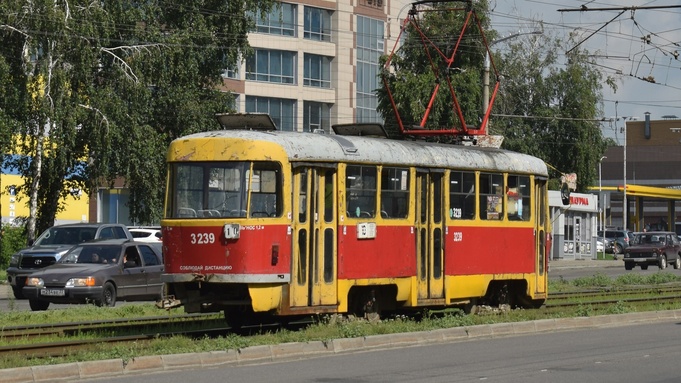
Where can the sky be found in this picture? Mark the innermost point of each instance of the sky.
(641, 49)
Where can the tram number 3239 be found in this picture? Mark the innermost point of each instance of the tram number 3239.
(202, 238)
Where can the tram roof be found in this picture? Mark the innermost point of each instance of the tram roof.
(316, 147)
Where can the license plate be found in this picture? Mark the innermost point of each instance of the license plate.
(641, 259)
(53, 292)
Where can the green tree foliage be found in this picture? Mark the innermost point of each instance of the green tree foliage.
(561, 103)
(97, 90)
(412, 79)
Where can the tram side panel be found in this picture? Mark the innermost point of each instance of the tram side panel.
(490, 250)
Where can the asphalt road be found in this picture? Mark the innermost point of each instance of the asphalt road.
(645, 352)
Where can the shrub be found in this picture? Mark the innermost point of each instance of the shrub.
(12, 239)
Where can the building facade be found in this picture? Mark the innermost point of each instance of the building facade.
(652, 149)
(574, 226)
(316, 63)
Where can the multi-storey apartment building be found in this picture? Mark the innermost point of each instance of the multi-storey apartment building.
(315, 62)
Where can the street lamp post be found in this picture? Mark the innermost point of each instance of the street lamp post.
(601, 210)
(625, 210)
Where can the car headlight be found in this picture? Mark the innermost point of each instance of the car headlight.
(81, 282)
(35, 282)
(14, 260)
(60, 254)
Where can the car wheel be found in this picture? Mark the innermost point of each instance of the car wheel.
(677, 263)
(37, 305)
(644, 267)
(108, 298)
(18, 294)
(628, 266)
(663, 262)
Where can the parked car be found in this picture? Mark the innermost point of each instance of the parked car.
(52, 244)
(145, 234)
(653, 248)
(604, 246)
(99, 272)
(620, 238)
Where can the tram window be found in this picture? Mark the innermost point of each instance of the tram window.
(518, 198)
(436, 180)
(462, 195)
(188, 180)
(360, 191)
(226, 190)
(491, 196)
(394, 192)
(302, 202)
(265, 191)
(328, 195)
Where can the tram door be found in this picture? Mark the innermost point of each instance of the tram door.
(542, 229)
(314, 264)
(429, 235)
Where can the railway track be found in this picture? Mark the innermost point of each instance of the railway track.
(55, 340)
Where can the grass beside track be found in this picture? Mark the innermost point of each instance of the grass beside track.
(325, 327)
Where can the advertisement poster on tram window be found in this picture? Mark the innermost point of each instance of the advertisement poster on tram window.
(493, 207)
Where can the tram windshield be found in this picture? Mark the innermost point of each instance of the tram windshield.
(224, 189)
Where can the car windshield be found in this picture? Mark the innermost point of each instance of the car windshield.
(66, 235)
(642, 239)
(93, 254)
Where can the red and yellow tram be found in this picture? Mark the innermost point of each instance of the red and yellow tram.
(284, 223)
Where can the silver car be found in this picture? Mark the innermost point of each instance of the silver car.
(100, 272)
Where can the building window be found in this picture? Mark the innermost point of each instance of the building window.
(316, 116)
(281, 110)
(280, 21)
(369, 49)
(231, 73)
(317, 71)
(271, 66)
(317, 24)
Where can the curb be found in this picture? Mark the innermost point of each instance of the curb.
(295, 351)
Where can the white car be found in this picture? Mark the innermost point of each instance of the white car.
(599, 246)
(146, 235)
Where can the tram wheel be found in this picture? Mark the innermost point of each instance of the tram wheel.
(237, 317)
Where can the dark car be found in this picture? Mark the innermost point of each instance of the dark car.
(99, 272)
(620, 239)
(52, 244)
(653, 248)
